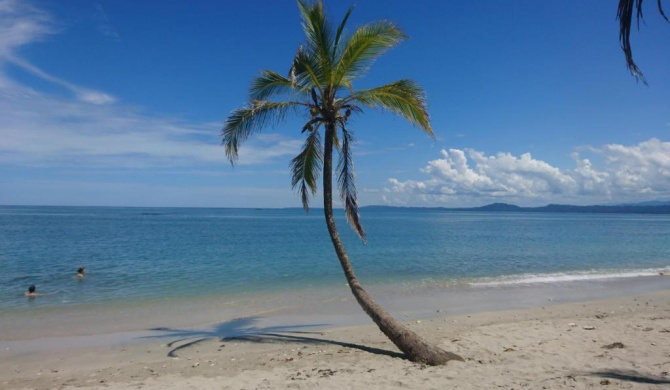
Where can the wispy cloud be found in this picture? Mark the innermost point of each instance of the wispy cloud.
(39, 130)
(469, 177)
(21, 25)
(104, 25)
(93, 129)
(84, 94)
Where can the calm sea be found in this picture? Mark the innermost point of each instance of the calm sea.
(145, 254)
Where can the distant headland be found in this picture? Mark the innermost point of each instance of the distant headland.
(655, 207)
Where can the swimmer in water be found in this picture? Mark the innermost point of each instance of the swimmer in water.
(80, 273)
(32, 292)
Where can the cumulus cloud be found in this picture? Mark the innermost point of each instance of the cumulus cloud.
(469, 177)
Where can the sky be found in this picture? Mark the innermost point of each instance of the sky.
(121, 103)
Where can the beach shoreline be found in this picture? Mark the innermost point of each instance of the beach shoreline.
(314, 308)
(547, 343)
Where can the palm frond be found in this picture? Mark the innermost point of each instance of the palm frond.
(306, 72)
(318, 33)
(306, 167)
(625, 11)
(364, 46)
(340, 31)
(625, 16)
(347, 183)
(269, 84)
(403, 97)
(244, 121)
(660, 10)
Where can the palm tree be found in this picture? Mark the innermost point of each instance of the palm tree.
(625, 15)
(319, 84)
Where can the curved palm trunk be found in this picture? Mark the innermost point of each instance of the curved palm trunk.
(415, 348)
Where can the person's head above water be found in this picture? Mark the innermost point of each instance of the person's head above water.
(31, 289)
(80, 270)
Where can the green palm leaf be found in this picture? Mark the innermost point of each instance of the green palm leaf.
(306, 72)
(269, 84)
(340, 31)
(366, 45)
(244, 121)
(319, 36)
(404, 97)
(306, 167)
(347, 184)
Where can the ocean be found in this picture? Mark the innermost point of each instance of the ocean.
(150, 257)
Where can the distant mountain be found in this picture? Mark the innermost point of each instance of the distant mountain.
(631, 209)
(637, 208)
(650, 203)
(498, 207)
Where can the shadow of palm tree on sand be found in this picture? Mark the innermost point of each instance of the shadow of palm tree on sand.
(245, 329)
(631, 376)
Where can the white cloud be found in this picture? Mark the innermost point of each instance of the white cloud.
(469, 177)
(104, 25)
(38, 130)
(265, 147)
(644, 167)
(94, 129)
(21, 25)
(84, 94)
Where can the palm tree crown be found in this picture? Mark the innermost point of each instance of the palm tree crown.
(320, 84)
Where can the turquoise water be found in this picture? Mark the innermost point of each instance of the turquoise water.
(144, 254)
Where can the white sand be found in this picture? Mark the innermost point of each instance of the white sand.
(552, 347)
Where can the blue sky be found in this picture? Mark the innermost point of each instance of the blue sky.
(121, 103)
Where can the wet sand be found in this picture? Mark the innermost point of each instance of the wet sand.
(316, 309)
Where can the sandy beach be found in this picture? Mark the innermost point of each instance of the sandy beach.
(621, 342)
